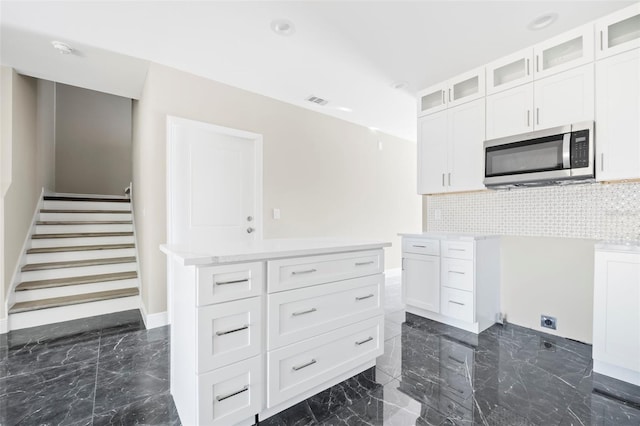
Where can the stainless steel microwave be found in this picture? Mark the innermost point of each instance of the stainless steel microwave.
(552, 156)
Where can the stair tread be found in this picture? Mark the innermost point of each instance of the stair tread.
(84, 211)
(72, 300)
(79, 248)
(84, 222)
(96, 199)
(82, 235)
(86, 279)
(77, 263)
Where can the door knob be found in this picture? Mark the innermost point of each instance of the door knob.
(250, 230)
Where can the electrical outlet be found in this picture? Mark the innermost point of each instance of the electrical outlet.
(548, 322)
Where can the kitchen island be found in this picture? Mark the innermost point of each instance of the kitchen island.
(258, 327)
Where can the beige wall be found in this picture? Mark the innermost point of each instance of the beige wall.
(93, 141)
(46, 134)
(326, 175)
(23, 190)
(550, 276)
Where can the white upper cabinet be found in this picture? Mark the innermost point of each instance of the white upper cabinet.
(618, 32)
(458, 90)
(432, 153)
(466, 136)
(617, 112)
(510, 112)
(568, 50)
(564, 98)
(510, 71)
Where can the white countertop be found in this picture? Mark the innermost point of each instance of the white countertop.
(449, 236)
(617, 245)
(265, 249)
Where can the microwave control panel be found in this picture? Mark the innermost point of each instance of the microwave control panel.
(580, 149)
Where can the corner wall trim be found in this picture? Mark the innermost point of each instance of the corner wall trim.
(156, 320)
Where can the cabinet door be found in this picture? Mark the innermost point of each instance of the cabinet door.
(466, 87)
(564, 98)
(617, 112)
(421, 281)
(568, 50)
(616, 309)
(510, 71)
(432, 153)
(618, 32)
(510, 112)
(432, 99)
(466, 136)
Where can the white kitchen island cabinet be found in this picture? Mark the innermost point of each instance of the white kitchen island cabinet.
(452, 278)
(616, 311)
(259, 327)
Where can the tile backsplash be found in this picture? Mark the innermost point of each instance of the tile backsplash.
(597, 211)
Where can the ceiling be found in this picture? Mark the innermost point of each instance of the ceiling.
(348, 52)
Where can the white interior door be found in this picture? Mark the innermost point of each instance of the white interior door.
(215, 184)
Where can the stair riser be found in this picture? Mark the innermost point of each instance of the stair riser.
(78, 255)
(72, 290)
(88, 241)
(68, 313)
(84, 216)
(85, 205)
(76, 272)
(72, 229)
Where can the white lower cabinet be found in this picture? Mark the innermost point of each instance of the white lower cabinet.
(616, 314)
(457, 284)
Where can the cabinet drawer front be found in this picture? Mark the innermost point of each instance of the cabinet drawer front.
(457, 273)
(421, 246)
(457, 304)
(457, 249)
(228, 332)
(231, 394)
(296, 368)
(287, 274)
(298, 314)
(229, 282)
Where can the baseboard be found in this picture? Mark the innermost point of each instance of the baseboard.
(156, 320)
(4, 326)
(393, 273)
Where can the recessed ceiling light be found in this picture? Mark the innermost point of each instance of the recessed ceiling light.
(542, 21)
(61, 47)
(283, 27)
(399, 85)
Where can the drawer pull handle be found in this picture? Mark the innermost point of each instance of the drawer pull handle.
(229, 395)
(364, 263)
(456, 272)
(246, 280)
(364, 297)
(456, 303)
(457, 249)
(416, 246)
(456, 360)
(308, 311)
(300, 367)
(307, 271)
(362, 342)
(222, 333)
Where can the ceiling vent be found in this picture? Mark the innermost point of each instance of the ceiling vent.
(316, 100)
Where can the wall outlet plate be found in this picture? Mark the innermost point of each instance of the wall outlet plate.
(548, 322)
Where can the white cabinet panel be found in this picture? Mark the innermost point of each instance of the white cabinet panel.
(564, 98)
(457, 249)
(432, 99)
(566, 51)
(421, 246)
(457, 304)
(616, 313)
(618, 32)
(421, 281)
(617, 112)
(229, 282)
(510, 112)
(466, 136)
(457, 273)
(433, 153)
(466, 87)
(510, 71)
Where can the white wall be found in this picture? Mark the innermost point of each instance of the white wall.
(93, 141)
(326, 175)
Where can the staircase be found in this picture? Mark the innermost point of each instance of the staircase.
(81, 262)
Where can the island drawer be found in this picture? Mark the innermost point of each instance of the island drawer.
(457, 304)
(229, 282)
(421, 246)
(299, 314)
(231, 394)
(457, 249)
(457, 273)
(228, 332)
(305, 365)
(288, 274)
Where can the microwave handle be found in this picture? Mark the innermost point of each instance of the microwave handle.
(566, 151)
